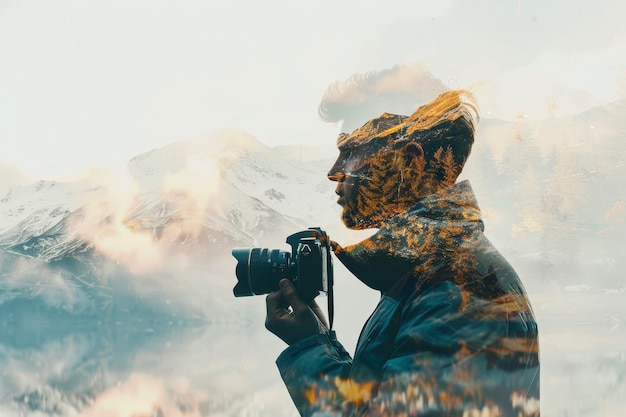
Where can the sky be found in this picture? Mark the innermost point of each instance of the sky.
(92, 83)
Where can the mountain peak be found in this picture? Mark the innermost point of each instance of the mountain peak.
(224, 144)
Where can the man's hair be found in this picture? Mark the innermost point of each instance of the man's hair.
(444, 128)
(394, 90)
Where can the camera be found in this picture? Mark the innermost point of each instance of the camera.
(308, 265)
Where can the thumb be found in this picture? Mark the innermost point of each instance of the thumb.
(291, 295)
(336, 247)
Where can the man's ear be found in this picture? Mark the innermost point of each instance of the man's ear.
(412, 151)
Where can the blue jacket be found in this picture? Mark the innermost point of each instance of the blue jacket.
(453, 331)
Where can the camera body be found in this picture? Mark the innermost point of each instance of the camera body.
(308, 265)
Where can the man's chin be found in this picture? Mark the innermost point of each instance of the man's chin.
(357, 223)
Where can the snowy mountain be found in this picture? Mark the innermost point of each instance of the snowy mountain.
(88, 246)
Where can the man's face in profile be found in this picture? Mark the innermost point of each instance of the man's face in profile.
(358, 185)
(349, 171)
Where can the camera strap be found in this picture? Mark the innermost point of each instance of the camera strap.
(331, 307)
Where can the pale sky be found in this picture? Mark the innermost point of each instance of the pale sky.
(89, 83)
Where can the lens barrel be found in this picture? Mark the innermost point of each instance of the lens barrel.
(259, 270)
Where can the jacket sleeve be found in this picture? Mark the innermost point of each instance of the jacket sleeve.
(309, 367)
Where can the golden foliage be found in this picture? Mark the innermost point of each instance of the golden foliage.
(353, 391)
(310, 394)
(447, 107)
(371, 129)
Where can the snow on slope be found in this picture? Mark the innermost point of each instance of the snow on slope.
(30, 210)
(284, 179)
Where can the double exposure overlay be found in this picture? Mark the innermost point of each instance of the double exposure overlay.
(466, 160)
(453, 333)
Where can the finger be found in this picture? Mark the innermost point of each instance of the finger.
(275, 304)
(336, 247)
(291, 295)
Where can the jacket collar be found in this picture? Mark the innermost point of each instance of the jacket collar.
(417, 240)
(455, 204)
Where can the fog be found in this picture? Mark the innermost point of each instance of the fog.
(122, 193)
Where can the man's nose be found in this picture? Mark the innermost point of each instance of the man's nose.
(337, 172)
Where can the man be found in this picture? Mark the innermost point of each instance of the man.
(453, 333)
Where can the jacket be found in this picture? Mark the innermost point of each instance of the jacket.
(453, 332)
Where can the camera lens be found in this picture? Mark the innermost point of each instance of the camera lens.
(259, 270)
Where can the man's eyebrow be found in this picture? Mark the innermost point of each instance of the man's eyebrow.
(349, 147)
(346, 142)
(374, 144)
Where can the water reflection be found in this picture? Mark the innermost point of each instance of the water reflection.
(53, 367)
(70, 367)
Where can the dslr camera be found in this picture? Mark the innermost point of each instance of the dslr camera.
(309, 266)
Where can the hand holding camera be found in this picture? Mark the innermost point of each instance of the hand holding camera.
(292, 280)
(290, 318)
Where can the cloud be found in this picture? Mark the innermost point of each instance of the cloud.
(138, 227)
(192, 190)
(108, 225)
(361, 97)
